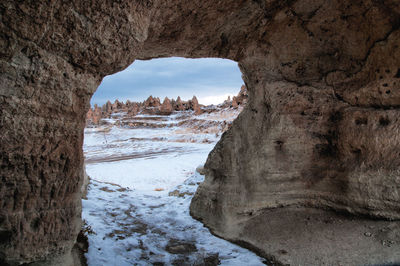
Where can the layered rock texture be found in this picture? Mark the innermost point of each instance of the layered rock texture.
(154, 106)
(320, 132)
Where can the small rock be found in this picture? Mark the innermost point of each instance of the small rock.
(368, 234)
(200, 169)
(176, 246)
(282, 251)
(212, 260)
(174, 193)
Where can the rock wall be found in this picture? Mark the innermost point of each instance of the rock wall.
(322, 124)
(320, 130)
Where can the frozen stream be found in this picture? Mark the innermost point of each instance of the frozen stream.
(137, 206)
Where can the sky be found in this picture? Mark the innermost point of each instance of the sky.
(211, 80)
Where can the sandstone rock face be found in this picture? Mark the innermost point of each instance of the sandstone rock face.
(107, 108)
(179, 105)
(152, 102)
(150, 106)
(240, 99)
(194, 105)
(133, 109)
(234, 103)
(94, 115)
(320, 130)
(242, 96)
(166, 107)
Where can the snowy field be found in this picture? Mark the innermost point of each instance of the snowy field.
(137, 206)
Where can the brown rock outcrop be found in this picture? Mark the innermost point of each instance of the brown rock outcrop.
(194, 105)
(107, 108)
(240, 99)
(179, 105)
(133, 109)
(94, 115)
(166, 107)
(152, 102)
(234, 102)
(116, 105)
(242, 96)
(89, 116)
(151, 105)
(320, 130)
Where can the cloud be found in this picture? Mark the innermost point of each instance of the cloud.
(215, 99)
(207, 78)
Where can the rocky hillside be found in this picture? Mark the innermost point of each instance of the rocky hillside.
(153, 106)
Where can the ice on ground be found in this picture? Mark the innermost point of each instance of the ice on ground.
(137, 206)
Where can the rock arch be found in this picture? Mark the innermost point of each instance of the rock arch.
(321, 129)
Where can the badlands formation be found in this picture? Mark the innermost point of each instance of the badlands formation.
(153, 106)
(307, 174)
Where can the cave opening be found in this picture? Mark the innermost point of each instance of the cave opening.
(147, 137)
(313, 68)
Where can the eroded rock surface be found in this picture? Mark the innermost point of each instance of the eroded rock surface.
(320, 130)
(153, 106)
(166, 107)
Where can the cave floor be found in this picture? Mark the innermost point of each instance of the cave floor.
(305, 236)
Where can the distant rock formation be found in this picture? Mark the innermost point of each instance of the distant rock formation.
(107, 108)
(94, 115)
(153, 106)
(133, 108)
(166, 107)
(194, 105)
(117, 105)
(179, 105)
(240, 99)
(152, 102)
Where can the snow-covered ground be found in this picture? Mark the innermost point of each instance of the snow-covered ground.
(142, 182)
